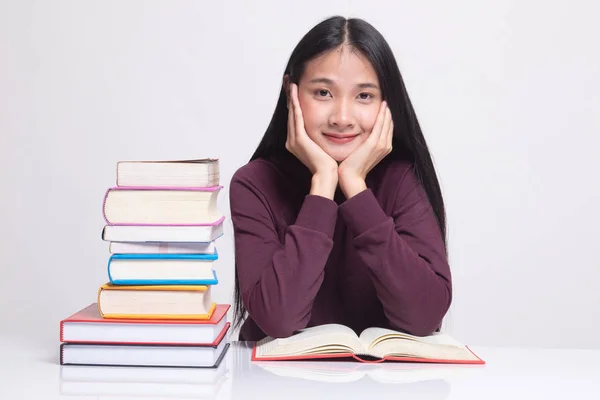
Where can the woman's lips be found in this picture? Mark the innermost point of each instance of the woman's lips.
(339, 139)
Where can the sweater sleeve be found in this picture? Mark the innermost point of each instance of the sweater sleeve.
(405, 255)
(279, 281)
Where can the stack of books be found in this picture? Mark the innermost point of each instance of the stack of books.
(156, 309)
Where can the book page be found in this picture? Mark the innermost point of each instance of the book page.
(382, 342)
(371, 336)
(323, 339)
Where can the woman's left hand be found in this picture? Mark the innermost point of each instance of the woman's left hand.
(354, 169)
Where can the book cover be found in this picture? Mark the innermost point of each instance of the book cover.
(161, 248)
(147, 280)
(90, 317)
(163, 282)
(165, 256)
(150, 355)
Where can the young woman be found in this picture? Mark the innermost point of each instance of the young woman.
(338, 217)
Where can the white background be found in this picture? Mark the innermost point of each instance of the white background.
(507, 93)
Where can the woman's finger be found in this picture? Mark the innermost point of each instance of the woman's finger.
(383, 140)
(299, 120)
(390, 138)
(376, 131)
(291, 119)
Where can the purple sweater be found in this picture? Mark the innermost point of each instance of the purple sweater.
(376, 259)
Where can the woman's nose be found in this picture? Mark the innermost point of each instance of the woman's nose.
(341, 115)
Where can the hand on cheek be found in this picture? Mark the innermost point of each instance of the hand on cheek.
(354, 169)
(322, 166)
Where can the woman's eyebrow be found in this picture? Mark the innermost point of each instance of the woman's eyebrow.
(327, 81)
(368, 85)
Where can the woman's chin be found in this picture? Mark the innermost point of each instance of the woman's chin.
(339, 158)
(338, 155)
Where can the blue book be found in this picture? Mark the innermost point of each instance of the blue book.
(162, 269)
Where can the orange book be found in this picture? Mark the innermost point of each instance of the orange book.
(332, 341)
(88, 326)
(155, 302)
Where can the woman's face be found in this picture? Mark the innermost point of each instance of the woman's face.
(340, 97)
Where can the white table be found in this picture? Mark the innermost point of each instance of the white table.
(34, 373)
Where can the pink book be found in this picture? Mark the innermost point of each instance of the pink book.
(162, 206)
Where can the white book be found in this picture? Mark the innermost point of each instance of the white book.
(161, 206)
(162, 269)
(167, 375)
(161, 248)
(155, 301)
(150, 233)
(143, 355)
(169, 173)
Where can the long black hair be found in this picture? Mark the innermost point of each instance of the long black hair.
(408, 140)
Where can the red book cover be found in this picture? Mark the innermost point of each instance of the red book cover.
(90, 314)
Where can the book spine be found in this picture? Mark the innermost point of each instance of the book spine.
(104, 208)
(98, 302)
(61, 354)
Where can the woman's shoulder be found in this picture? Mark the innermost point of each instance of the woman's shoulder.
(277, 184)
(257, 178)
(271, 173)
(257, 170)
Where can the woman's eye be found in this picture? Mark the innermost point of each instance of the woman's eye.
(365, 96)
(322, 92)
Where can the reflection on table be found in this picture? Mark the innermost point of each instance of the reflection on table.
(237, 377)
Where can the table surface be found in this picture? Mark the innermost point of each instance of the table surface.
(31, 372)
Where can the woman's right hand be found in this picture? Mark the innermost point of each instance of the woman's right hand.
(322, 166)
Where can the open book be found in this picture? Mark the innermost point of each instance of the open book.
(373, 345)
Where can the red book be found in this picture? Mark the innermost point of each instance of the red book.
(87, 326)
